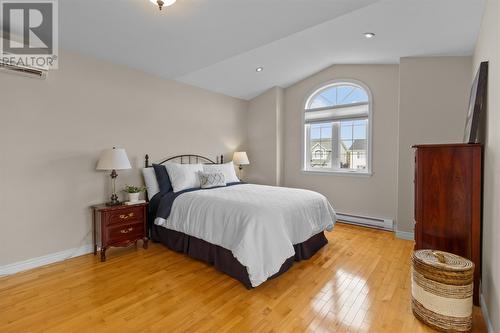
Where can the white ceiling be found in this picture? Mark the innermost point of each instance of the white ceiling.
(218, 44)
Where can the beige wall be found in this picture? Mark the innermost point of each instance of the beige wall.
(52, 131)
(280, 127)
(488, 50)
(423, 100)
(434, 94)
(372, 196)
(265, 137)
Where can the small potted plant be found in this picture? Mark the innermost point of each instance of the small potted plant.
(134, 192)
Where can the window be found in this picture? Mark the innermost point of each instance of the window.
(337, 129)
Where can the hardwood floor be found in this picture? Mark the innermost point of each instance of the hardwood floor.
(359, 282)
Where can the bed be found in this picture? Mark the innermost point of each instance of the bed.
(252, 233)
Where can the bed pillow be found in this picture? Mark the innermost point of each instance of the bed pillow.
(184, 176)
(150, 181)
(162, 178)
(211, 179)
(227, 169)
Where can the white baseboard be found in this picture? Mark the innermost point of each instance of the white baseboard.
(405, 235)
(45, 260)
(486, 314)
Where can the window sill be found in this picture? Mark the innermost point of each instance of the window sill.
(337, 173)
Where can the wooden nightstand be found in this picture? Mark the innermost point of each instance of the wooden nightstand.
(119, 226)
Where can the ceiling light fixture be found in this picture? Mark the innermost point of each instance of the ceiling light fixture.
(369, 35)
(162, 3)
(259, 69)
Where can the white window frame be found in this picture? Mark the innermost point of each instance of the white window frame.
(305, 154)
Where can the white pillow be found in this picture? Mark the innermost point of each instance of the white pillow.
(214, 179)
(184, 176)
(151, 182)
(227, 169)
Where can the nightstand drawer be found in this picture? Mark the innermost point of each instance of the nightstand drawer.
(132, 214)
(125, 231)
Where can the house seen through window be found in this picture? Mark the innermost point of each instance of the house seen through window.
(337, 129)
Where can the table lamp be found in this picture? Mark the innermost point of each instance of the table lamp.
(240, 158)
(113, 159)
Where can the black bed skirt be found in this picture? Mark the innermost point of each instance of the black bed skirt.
(223, 259)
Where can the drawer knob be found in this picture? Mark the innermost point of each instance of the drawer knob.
(126, 231)
(126, 216)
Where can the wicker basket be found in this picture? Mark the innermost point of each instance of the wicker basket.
(442, 290)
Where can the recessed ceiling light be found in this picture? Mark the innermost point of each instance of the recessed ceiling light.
(259, 69)
(369, 35)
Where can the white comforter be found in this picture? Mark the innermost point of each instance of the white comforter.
(258, 224)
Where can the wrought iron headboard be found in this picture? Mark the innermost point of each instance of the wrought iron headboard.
(187, 159)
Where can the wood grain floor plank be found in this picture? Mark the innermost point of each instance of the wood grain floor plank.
(359, 282)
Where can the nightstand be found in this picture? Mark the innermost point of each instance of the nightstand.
(119, 226)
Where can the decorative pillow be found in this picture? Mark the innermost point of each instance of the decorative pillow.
(212, 179)
(151, 182)
(162, 178)
(184, 176)
(227, 169)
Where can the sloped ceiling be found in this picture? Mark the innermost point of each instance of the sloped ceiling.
(218, 44)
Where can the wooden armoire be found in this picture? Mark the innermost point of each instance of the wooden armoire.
(448, 200)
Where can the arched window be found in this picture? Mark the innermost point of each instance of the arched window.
(337, 120)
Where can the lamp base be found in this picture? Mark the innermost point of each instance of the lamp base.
(114, 198)
(114, 203)
(240, 167)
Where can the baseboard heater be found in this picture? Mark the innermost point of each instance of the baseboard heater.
(373, 222)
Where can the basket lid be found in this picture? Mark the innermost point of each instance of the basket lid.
(443, 260)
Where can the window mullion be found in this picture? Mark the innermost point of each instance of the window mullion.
(332, 149)
(307, 140)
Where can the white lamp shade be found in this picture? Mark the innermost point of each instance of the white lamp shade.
(240, 158)
(113, 159)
